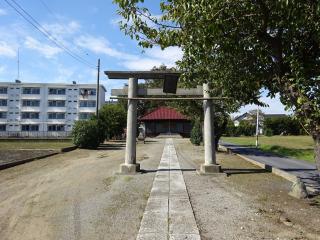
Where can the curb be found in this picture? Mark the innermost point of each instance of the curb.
(13, 164)
(68, 149)
(290, 177)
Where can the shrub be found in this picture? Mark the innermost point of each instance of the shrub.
(286, 124)
(231, 130)
(196, 133)
(268, 132)
(86, 134)
(246, 128)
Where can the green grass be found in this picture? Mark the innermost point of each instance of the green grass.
(34, 144)
(299, 147)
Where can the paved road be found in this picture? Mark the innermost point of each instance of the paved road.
(306, 171)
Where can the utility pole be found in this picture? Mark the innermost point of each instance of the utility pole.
(257, 128)
(98, 87)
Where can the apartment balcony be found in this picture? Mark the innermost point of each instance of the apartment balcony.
(87, 109)
(3, 108)
(56, 121)
(29, 109)
(30, 96)
(56, 109)
(30, 121)
(57, 97)
(88, 97)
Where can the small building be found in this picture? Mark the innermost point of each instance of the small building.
(251, 118)
(166, 120)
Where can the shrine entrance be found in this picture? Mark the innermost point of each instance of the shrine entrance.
(134, 94)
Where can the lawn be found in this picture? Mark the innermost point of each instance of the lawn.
(299, 147)
(34, 144)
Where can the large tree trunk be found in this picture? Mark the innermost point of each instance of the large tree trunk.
(316, 138)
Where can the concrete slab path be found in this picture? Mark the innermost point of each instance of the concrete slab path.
(168, 214)
(305, 171)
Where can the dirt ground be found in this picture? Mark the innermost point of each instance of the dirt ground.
(76, 195)
(248, 203)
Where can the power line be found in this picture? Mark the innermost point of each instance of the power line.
(50, 11)
(46, 33)
(52, 38)
(47, 7)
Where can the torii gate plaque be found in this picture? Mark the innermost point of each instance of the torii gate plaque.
(130, 166)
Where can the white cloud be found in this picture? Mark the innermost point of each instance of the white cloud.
(60, 30)
(275, 106)
(142, 64)
(100, 45)
(155, 57)
(2, 69)
(3, 12)
(46, 50)
(7, 50)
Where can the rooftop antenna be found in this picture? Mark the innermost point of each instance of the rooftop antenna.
(18, 63)
(18, 77)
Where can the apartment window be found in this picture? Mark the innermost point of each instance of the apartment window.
(3, 90)
(54, 115)
(30, 128)
(31, 103)
(30, 115)
(56, 103)
(83, 116)
(3, 102)
(30, 90)
(3, 127)
(57, 91)
(3, 115)
(55, 128)
(87, 103)
(88, 92)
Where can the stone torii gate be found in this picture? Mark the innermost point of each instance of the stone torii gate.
(130, 166)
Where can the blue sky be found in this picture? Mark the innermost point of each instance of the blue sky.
(90, 30)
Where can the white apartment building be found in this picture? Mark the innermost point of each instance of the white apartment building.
(45, 109)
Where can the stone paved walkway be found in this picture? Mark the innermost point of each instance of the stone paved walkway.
(168, 214)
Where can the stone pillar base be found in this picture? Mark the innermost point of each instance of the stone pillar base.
(129, 169)
(210, 169)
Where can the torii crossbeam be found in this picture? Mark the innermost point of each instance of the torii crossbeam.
(130, 166)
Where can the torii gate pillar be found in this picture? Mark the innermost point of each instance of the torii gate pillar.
(131, 166)
(210, 165)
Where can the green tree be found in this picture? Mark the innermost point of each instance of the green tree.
(113, 118)
(85, 134)
(241, 47)
(196, 133)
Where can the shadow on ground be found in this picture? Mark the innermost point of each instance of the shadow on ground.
(111, 146)
(233, 171)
